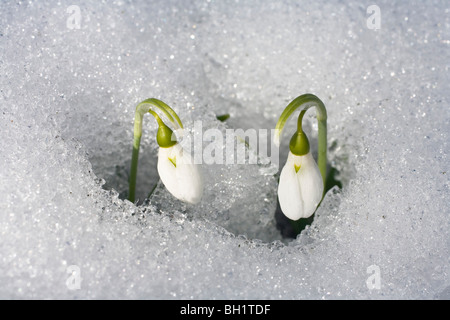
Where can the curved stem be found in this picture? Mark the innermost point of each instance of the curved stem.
(168, 111)
(155, 115)
(305, 102)
(300, 120)
(141, 109)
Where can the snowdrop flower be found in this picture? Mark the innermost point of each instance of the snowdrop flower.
(301, 187)
(179, 174)
(181, 177)
(301, 184)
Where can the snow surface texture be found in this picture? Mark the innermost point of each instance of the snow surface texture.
(68, 92)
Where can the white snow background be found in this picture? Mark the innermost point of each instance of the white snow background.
(68, 93)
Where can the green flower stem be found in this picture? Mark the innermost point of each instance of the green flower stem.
(133, 171)
(322, 149)
(300, 121)
(142, 108)
(168, 111)
(305, 102)
(158, 119)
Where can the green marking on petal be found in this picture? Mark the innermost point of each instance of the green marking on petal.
(174, 161)
(297, 167)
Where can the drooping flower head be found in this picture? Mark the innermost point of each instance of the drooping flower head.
(179, 174)
(301, 184)
(301, 187)
(181, 177)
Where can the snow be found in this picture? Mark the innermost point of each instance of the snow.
(70, 81)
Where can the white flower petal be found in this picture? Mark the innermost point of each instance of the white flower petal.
(166, 169)
(184, 181)
(190, 180)
(311, 184)
(289, 197)
(301, 187)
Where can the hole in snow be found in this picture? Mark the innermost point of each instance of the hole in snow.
(237, 197)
